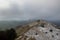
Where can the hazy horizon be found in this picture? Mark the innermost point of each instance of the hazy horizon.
(30, 9)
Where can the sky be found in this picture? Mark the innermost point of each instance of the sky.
(29, 9)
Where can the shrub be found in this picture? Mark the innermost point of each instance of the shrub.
(8, 34)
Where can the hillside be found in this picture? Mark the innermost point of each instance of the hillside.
(38, 30)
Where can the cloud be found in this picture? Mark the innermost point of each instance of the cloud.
(4, 4)
(43, 10)
(31, 9)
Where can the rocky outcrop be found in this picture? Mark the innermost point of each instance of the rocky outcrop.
(38, 30)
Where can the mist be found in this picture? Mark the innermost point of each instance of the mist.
(32, 9)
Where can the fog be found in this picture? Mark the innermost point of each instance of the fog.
(30, 9)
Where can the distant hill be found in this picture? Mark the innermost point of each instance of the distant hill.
(9, 24)
(56, 23)
(12, 24)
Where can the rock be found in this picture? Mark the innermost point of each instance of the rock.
(35, 30)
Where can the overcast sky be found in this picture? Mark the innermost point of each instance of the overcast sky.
(29, 9)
